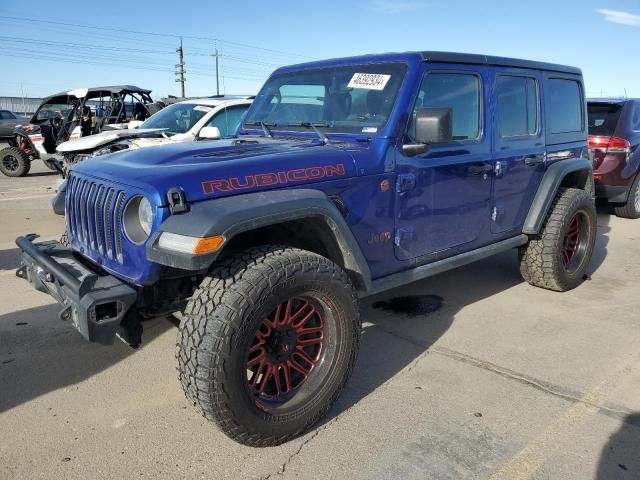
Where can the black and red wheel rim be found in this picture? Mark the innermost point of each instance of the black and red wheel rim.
(574, 244)
(286, 349)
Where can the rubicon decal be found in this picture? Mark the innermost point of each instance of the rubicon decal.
(275, 178)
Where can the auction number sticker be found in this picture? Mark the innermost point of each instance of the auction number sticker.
(202, 108)
(369, 81)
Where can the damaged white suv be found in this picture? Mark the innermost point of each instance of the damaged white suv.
(194, 119)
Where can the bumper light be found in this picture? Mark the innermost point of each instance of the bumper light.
(192, 245)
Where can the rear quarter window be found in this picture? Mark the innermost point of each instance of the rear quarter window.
(564, 110)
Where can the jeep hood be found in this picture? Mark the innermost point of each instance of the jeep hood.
(211, 169)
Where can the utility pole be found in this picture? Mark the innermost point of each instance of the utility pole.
(180, 66)
(217, 77)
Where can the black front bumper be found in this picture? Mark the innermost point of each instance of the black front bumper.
(96, 304)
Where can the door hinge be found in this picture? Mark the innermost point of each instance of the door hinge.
(405, 182)
(402, 236)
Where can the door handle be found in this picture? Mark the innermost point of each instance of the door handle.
(480, 169)
(533, 160)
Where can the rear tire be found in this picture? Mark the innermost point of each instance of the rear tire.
(242, 333)
(631, 209)
(558, 257)
(14, 162)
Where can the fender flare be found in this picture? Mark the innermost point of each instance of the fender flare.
(230, 216)
(549, 185)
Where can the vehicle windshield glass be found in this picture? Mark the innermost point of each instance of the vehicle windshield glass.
(343, 99)
(55, 110)
(603, 118)
(177, 118)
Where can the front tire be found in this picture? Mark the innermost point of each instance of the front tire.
(14, 162)
(558, 257)
(267, 342)
(631, 209)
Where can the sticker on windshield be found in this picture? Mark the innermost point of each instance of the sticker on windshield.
(369, 129)
(369, 81)
(202, 108)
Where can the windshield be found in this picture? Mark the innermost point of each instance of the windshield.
(177, 118)
(603, 118)
(344, 99)
(55, 110)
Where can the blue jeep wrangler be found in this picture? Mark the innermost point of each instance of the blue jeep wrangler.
(348, 177)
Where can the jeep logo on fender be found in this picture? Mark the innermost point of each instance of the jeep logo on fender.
(268, 179)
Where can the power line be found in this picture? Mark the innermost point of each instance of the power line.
(156, 34)
(81, 46)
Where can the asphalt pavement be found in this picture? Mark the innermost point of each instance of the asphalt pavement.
(479, 376)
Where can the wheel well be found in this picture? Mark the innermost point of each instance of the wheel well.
(312, 234)
(582, 179)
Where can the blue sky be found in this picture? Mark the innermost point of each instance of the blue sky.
(37, 58)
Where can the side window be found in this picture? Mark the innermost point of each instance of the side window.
(6, 115)
(458, 91)
(635, 122)
(517, 102)
(564, 106)
(228, 120)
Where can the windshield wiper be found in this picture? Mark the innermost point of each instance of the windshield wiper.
(264, 126)
(314, 126)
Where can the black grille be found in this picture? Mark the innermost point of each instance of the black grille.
(94, 216)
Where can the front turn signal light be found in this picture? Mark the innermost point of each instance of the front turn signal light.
(208, 244)
(192, 245)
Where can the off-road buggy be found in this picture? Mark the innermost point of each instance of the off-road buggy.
(73, 114)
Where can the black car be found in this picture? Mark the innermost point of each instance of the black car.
(8, 121)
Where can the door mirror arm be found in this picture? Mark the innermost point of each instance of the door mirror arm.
(413, 149)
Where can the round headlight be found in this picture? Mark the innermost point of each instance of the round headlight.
(138, 219)
(145, 215)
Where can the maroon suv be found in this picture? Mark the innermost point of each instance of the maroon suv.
(614, 140)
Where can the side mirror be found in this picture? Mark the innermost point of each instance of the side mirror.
(211, 133)
(433, 126)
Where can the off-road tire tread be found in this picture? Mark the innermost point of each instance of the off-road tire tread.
(628, 210)
(25, 162)
(540, 264)
(212, 315)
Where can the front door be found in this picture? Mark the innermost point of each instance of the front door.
(443, 195)
(519, 148)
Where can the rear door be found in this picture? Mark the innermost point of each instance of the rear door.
(519, 147)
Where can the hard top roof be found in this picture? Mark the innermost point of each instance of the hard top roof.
(441, 57)
(453, 57)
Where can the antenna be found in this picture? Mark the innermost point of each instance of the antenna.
(625, 94)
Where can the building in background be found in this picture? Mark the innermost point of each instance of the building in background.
(20, 105)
